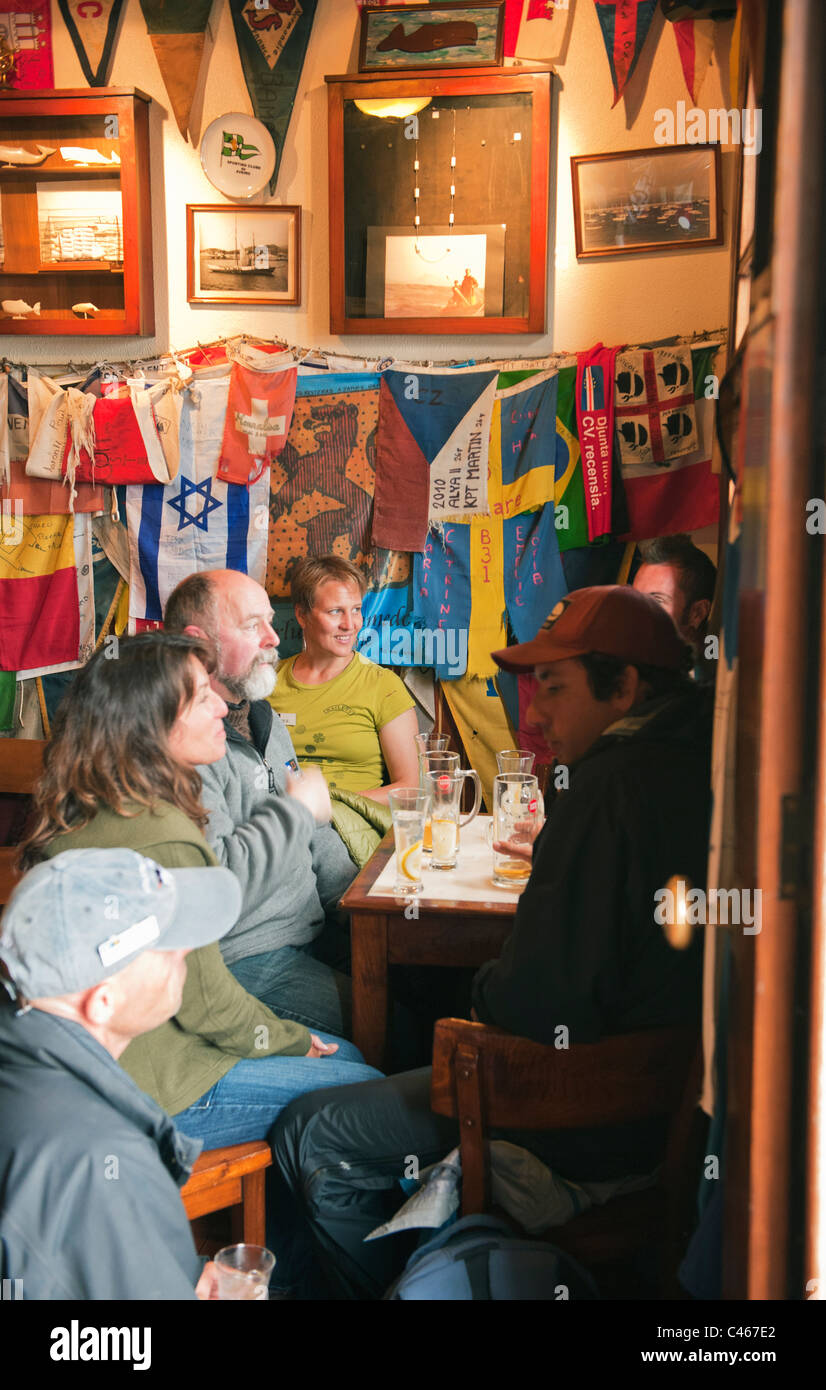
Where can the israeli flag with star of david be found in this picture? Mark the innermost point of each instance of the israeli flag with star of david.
(197, 522)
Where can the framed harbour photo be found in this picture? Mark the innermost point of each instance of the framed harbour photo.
(243, 255)
(434, 271)
(460, 35)
(659, 199)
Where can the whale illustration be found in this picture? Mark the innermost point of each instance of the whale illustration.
(428, 38)
(15, 155)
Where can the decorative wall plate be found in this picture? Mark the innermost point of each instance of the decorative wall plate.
(237, 155)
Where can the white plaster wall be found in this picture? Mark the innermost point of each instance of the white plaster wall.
(618, 299)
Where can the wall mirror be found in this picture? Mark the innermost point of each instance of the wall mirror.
(439, 202)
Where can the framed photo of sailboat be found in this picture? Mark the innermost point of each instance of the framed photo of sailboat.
(243, 255)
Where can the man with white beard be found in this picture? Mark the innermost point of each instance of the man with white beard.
(267, 824)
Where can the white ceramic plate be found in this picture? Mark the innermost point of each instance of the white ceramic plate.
(237, 155)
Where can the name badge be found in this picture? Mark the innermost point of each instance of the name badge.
(287, 718)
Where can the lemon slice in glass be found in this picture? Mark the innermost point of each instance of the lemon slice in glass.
(411, 862)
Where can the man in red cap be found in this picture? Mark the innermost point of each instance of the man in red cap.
(586, 953)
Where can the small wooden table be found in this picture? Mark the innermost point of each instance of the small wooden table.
(463, 919)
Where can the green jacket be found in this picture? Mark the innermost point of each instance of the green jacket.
(218, 1021)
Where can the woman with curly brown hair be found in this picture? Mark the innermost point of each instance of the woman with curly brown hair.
(120, 771)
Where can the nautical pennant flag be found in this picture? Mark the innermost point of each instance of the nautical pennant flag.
(27, 32)
(197, 522)
(624, 25)
(92, 29)
(695, 43)
(431, 452)
(272, 42)
(595, 427)
(665, 440)
(176, 29)
(39, 616)
(237, 147)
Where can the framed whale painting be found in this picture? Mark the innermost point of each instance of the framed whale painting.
(461, 35)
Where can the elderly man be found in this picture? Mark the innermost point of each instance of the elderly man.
(265, 823)
(681, 578)
(93, 949)
(586, 952)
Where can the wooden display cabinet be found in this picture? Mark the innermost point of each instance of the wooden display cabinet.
(439, 200)
(72, 232)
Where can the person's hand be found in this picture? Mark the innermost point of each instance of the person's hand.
(207, 1285)
(319, 1048)
(521, 846)
(311, 790)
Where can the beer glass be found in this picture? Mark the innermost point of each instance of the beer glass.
(515, 760)
(516, 815)
(244, 1271)
(445, 789)
(434, 759)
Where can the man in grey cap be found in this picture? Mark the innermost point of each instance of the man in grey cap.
(92, 953)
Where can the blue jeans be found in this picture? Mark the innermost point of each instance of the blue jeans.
(295, 985)
(245, 1103)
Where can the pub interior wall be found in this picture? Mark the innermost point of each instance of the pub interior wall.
(616, 299)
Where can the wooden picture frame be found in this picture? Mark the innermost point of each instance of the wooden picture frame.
(450, 26)
(497, 127)
(243, 255)
(634, 201)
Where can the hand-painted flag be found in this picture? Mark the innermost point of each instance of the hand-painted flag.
(431, 452)
(237, 146)
(595, 427)
(84, 569)
(667, 490)
(176, 29)
(695, 43)
(27, 33)
(441, 594)
(39, 622)
(92, 28)
(197, 522)
(535, 405)
(624, 25)
(534, 577)
(259, 413)
(37, 496)
(272, 42)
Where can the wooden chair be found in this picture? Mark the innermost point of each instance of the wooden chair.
(21, 763)
(232, 1177)
(487, 1079)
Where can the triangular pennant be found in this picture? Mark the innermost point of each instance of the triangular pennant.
(176, 28)
(695, 42)
(272, 44)
(624, 24)
(92, 29)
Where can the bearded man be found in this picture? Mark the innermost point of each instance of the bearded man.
(268, 823)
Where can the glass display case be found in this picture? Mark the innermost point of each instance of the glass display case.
(76, 244)
(439, 201)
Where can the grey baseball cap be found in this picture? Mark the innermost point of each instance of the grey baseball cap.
(84, 915)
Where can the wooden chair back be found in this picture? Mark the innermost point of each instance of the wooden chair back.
(488, 1079)
(21, 764)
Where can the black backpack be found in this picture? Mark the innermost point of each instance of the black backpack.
(479, 1257)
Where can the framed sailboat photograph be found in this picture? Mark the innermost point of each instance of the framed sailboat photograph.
(243, 255)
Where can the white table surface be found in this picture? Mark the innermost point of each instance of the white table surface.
(470, 881)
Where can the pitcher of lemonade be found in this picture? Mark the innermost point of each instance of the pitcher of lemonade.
(445, 789)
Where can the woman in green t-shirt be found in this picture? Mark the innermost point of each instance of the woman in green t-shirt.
(120, 771)
(348, 716)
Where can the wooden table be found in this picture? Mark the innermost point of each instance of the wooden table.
(450, 929)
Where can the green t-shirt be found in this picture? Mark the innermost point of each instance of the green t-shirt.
(335, 725)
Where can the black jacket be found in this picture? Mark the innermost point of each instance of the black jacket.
(586, 951)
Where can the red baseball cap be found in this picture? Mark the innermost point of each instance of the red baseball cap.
(610, 618)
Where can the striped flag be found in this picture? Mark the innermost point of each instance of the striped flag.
(197, 522)
(624, 25)
(39, 616)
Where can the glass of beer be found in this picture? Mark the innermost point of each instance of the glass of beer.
(517, 815)
(244, 1271)
(434, 760)
(445, 789)
(515, 760)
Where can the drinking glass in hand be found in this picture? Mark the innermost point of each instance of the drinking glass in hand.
(517, 815)
(244, 1272)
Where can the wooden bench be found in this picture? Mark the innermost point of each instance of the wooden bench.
(231, 1178)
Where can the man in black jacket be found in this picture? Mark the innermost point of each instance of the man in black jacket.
(586, 952)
